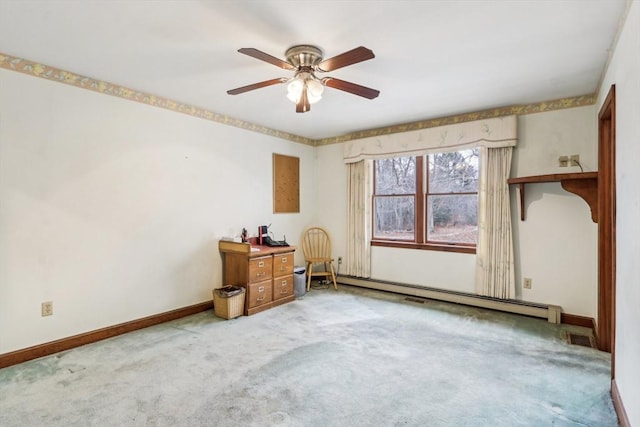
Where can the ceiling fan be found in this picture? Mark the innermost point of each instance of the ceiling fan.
(305, 88)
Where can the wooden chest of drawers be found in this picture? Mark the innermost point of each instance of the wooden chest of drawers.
(267, 274)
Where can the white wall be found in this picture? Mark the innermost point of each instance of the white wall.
(332, 196)
(624, 72)
(433, 269)
(556, 246)
(112, 209)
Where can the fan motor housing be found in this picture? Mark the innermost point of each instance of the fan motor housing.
(304, 55)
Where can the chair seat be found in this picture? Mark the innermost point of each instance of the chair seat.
(319, 260)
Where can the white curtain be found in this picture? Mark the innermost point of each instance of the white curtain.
(494, 252)
(359, 192)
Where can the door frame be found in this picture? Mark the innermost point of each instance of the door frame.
(606, 324)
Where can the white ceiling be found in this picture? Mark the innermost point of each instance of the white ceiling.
(433, 58)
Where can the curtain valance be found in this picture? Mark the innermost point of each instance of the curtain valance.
(491, 133)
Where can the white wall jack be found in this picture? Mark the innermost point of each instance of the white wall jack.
(527, 283)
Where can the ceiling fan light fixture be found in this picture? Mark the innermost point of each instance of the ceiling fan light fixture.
(308, 82)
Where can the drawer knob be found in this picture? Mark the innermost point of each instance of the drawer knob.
(261, 289)
(261, 264)
(260, 299)
(262, 273)
(284, 283)
(284, 260)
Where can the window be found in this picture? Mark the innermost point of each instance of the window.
(427, 201)
(395, 198)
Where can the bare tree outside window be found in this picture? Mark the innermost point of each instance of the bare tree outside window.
(394, 206)
(452, 197)
(446, 212)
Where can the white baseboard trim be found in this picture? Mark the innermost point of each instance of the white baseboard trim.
(546, 311)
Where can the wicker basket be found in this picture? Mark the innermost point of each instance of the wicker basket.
(228, 307)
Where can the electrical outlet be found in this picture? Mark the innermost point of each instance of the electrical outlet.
(339, 260)
(574, 160)
(47, 308)
(527, 283)
(563, 161)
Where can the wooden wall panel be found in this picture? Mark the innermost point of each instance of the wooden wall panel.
(286, 184)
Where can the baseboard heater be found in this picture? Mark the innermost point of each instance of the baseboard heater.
(546, 311)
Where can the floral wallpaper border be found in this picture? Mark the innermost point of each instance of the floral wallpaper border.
(24, 66)
(13, 63)
(557, 104)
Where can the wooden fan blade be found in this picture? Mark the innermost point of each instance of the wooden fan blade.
(303, 103)
(254, 86)
(258, 54)
(353, 88)
(353, 56)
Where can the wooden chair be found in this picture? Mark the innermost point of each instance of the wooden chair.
(316, 246)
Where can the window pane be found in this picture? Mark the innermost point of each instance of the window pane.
(455, 172)
(452, 219)
(396, 176)
(394, 217)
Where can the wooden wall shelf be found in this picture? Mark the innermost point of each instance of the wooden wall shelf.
(584, 184)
